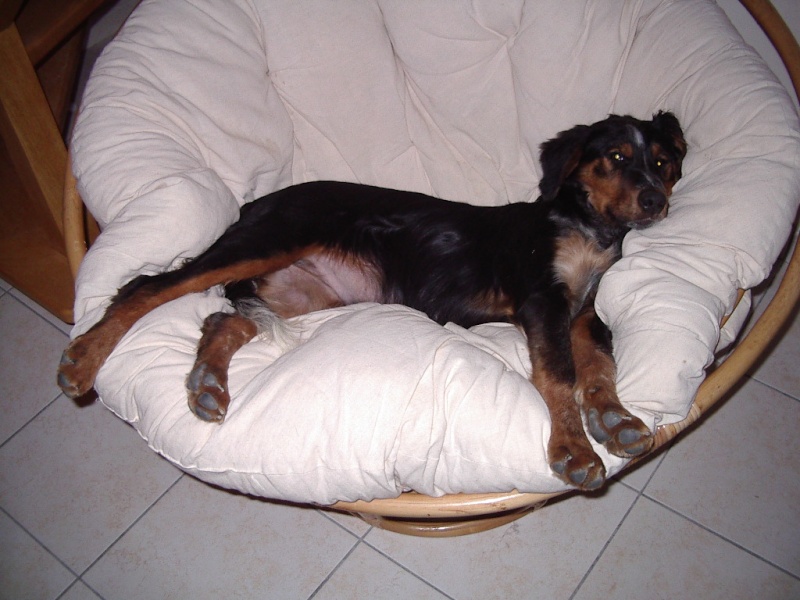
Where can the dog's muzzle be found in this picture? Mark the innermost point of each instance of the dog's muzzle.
(652, 202)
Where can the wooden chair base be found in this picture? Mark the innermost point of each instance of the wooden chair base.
(448, 527)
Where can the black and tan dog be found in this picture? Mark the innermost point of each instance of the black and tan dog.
(537, 265)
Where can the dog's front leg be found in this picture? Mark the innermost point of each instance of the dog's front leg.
(596, 392)
(569, 452)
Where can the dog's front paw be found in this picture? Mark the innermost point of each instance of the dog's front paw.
(207, 394)
(577, 464)
(619, 431)
(78, 368)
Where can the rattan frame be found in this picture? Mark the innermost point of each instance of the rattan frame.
(460, 514)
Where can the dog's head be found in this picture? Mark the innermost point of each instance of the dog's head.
(625, 166)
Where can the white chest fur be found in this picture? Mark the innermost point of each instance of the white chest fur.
(579, 264)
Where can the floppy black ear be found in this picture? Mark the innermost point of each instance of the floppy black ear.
(559, 158)
(668, 123)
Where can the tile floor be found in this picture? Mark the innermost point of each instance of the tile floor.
(87, 511)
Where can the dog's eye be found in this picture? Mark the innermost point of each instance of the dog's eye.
(661, 163)
(616, 156)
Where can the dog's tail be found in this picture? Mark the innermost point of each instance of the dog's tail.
(285, 335)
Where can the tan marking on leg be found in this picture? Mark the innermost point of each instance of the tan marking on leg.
(569, 452)
(608, 421)
(595, 370)
(223, 335)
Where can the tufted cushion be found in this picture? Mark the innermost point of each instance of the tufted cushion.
(198, 107)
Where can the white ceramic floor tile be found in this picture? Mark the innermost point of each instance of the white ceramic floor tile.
(76, 478)
(29, 357)
(367, 575)
(543, 555)
(738, 474)
(202, 542)
(26, 569)
(45, 314)
(779, 369)
(639, 474)
(4, 285)
(658, 554)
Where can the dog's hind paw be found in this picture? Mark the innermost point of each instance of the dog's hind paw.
(77, 370)
(207, 395)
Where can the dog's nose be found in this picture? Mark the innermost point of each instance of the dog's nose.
(652, 201)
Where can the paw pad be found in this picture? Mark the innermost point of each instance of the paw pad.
(208, 398)
(622, 434)
(578, 466)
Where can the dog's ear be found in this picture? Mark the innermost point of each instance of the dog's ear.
(668, 124)
(560, 157)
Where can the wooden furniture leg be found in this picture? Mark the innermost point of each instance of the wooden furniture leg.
(44, 36)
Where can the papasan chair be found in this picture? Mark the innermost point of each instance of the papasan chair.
(198, 107)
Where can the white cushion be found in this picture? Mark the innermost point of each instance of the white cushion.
(196, 108)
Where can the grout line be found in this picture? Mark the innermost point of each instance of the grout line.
(404, 568)
(31, 420)
(639, 494)
(664, 452)
(722, 537)
(127, 529)
(43, 546)
(73, 584)
(325, 513)
(359, 539)
(773, 388)
(91, 589)
(327, 578)
(610, 539)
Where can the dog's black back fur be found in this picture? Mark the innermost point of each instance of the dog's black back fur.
(434, 254)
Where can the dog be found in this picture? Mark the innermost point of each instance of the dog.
(535, 264)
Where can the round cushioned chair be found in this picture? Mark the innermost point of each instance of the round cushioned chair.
(191, 112)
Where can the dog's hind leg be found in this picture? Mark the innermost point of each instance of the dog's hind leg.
(222, 335)
(85, 355)
(207, 384)
(608, 421)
